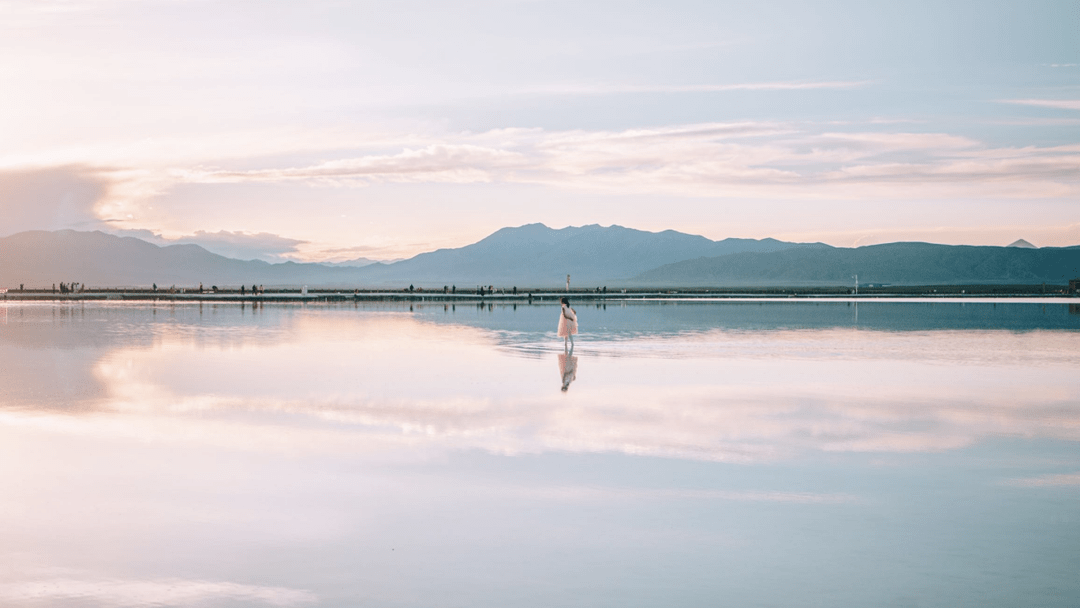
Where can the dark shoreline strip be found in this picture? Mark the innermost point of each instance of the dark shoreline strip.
(946, 292)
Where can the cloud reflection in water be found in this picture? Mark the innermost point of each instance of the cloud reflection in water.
(342, 456)
(732, 396)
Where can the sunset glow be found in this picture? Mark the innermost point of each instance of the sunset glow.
(329, 131)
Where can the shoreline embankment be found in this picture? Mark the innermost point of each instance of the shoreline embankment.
(542, 295)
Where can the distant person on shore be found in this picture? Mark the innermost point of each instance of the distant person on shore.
(567, 323)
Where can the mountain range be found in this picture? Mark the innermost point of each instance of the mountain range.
(890, 263)
(536, 256)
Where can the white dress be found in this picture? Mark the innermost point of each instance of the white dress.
(567, 322)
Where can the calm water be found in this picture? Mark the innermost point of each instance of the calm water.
(703, 454)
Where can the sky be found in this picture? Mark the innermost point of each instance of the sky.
(329, 130)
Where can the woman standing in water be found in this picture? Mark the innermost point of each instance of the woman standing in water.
(567, 323)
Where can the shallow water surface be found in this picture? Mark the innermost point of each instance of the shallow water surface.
(734, 453)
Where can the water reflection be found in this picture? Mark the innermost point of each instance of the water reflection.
(366, 455)
(568, 364)
(323, 376)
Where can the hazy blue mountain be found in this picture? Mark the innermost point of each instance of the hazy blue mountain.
(40, 259)
(356, 263)
(535, 255)
(528, 256)
(1021, 243)
(892, 263)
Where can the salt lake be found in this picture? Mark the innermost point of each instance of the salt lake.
(729, 453)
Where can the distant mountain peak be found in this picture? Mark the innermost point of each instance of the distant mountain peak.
(354, 263)
(1021, 243)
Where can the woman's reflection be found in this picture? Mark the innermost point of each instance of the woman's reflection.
(568, 368)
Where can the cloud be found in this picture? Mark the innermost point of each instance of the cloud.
(1038, 121)
(238, 245)
(143, 234)
(585, 493)
(50, 199)
(745, 159)
(802, 164)
(617, 89)
(126, 592)
(243, 245)
(459, 163)
(1043, 481)
(1063, 104)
